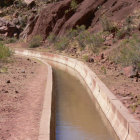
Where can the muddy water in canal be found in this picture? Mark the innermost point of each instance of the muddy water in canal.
(77, 114)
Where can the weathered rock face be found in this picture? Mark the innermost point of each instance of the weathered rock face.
(9, 29)
(59, 17)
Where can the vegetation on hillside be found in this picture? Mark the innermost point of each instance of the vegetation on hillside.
(5, 52)
(128, 52)
(36, 41)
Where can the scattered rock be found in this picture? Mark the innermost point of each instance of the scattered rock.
(110, 37)
(90, 59)
(129, 71)
(73, 50)
(8, 28)
(16, 91)
(16, 14)
(22, 71)
(102, 56)
(108, 43)
(8, 81)
(6, 91)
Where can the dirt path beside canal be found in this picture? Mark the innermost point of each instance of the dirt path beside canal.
(22, 88)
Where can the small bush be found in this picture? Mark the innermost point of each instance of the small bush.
(19, 4)
(4, 70)
(10, 40)
(73, 5)
(95, 42)
(103, 69)
(107, 25)
(81, 28)
(62, 43)
(86, 57)
(72, 33)
(81, 39)
(128, 52)
(36, 41)
(127, 29)
(121, 34)
(23, 21)
(5, 52)
(51, 38)
(128, 23)
(133, 107)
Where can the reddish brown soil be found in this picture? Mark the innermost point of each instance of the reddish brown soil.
(21, 99)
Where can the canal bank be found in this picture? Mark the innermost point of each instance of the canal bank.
(124, 124)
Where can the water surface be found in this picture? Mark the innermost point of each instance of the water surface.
(78, 116)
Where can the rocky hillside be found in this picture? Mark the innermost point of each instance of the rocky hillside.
(58, 17)
(43, 17)
(14, 15)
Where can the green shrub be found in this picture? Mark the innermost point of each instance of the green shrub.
(127, 29)
(36, 41)
(73, 5)
(95, 42)
(3, 70)
(62, 43)
(86, 57)
(19, 4)
(107, 25)
(23, 21)
(51, 38)
(81, 39)
(72, 33)
(103, 69)
(121, 33)
(10, 40)
(81, 28)
(129, 23)
(5, 52)
(128, 52)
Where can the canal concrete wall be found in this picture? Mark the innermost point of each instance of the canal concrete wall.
(45, 121)
(124, 124)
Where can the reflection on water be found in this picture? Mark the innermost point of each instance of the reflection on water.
(77, 117)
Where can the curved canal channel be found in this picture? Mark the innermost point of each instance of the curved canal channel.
(77, 114)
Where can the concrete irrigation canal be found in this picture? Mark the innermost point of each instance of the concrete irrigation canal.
(78, 106)
(77, 115)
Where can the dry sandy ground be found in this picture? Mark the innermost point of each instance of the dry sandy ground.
(21, 97)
